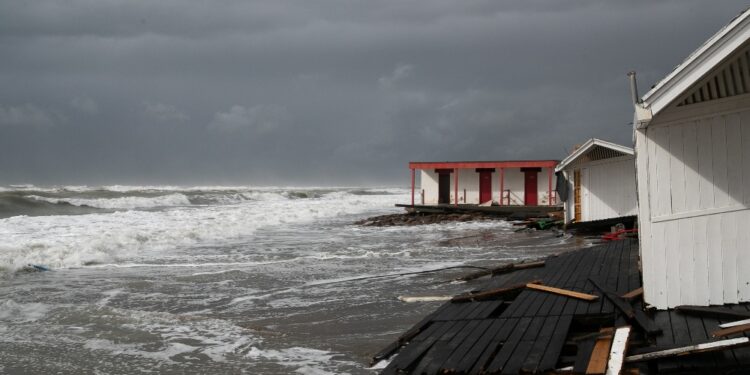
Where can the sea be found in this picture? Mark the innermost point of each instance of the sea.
(225, 280)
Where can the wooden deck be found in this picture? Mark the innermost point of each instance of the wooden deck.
(535, 331)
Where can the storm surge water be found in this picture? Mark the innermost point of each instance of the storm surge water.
(222, 279)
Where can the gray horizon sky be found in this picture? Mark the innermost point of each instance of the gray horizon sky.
(322, 92)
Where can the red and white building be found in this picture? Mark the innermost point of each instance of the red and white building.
(507, 183)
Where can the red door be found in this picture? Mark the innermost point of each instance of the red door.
(485, 187)
(530, 187)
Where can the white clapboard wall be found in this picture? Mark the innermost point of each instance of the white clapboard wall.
(694, 193)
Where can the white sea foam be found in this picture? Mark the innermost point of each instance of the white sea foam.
(120, 237)
(122, 202)
(22, 312)
(305, 360)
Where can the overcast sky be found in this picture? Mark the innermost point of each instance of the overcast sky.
(321, 92)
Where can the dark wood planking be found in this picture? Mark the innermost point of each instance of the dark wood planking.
(493, 345)
(439, 351)
(557, 341)
(585, 348)
(512, 344)
(412, 352)
(474, 331)
(540, 345)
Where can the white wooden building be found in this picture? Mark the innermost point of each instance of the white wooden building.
(692, 142)
(600, 178)
(522, 183)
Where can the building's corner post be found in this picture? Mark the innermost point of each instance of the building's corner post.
(502, 184)
(412, 187)
(549, 187)
(455, 185)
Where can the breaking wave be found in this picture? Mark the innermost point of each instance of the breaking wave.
(65, 228)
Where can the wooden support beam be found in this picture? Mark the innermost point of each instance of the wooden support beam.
(633, 293)
(563, 292)
(689, 350)
(617, 352)
(636, 315)
(600, 355)
(731, 330)
(714, 312)
(493, 292)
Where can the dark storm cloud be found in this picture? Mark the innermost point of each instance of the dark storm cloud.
(320, 92)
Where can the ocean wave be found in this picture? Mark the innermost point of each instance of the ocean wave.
(123, 237)
(129, 202)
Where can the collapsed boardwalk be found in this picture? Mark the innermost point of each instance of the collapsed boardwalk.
(535, 331)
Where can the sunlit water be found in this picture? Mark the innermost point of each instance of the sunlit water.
(223, 280)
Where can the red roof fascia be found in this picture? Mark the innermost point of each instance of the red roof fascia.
(483, 164)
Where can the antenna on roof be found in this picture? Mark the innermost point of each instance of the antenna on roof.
(633, 88)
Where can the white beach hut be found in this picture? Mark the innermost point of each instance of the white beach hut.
(692, 143)
(600, 179)
(507, 183)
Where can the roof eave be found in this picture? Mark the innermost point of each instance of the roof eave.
(697, 65)
(587, 146)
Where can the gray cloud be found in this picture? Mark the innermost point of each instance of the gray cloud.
(85, 105)
(28, 115)
(323, 92)
(165, 112)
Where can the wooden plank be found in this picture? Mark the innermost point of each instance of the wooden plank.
(454, 362)
(734, 156)
(563, 292)
(676, 169)
(498, 342)
(540, 345)
(735, 323)
(526, 327)
(731, 330)
(600, 355)
(408, 356)
(440, 350)
(617, 352)
(729, 228)
(493, 292)
(583, 355)
(485, 345)
(556, 343)
(719, 140)
(673, 254)
(715, 273)
(689, 350)
(633, 293)
(700, 260)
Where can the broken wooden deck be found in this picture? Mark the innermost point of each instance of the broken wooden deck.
(519, 212)
(533, 331)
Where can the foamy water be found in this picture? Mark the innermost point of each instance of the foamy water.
(222, 279)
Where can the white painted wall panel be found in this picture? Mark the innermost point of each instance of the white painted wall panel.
(693, 214)
(607, 189)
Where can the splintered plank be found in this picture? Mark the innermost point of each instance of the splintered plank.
(734, 324)
(600, 355)
(689, 350)
(563, 292)
(492, 292)
(617, 352)
(731, 330)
